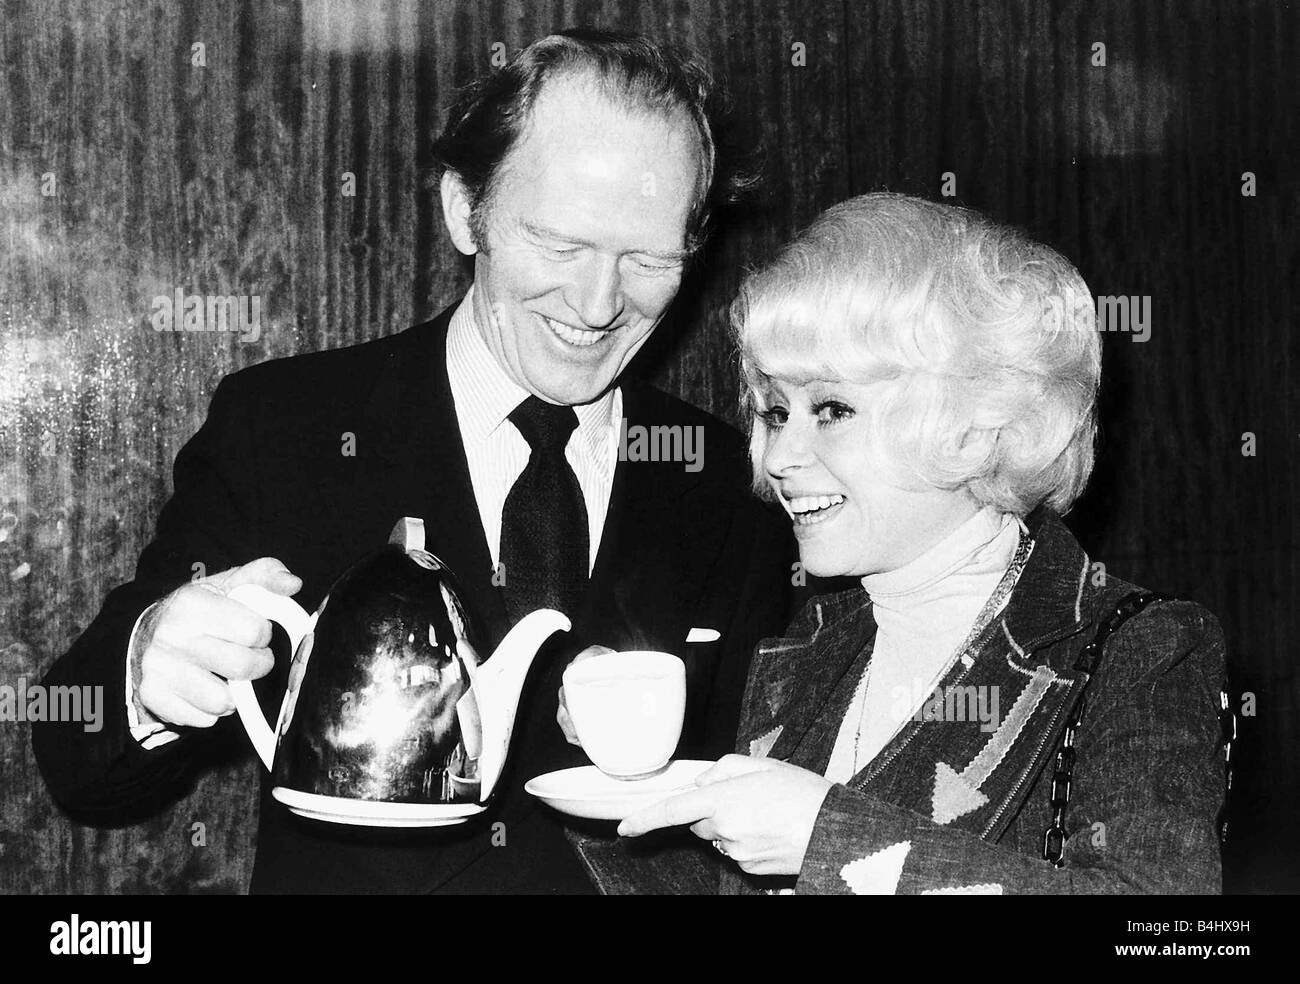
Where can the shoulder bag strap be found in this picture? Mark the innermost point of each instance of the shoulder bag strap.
(1086, 664)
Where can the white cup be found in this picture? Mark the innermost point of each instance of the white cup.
(627, 709)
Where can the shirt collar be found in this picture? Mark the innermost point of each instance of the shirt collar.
(485, 394)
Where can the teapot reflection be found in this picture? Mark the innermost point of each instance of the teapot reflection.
(387, 698)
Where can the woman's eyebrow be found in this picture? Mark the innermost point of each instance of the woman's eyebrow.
(544, 232)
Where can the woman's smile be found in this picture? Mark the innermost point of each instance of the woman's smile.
(813, 510)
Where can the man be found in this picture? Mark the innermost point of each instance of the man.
(579, 177)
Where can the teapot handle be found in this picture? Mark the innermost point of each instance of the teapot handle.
(297, 623)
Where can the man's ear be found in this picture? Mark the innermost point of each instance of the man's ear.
(456, 212)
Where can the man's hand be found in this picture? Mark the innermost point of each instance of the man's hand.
(759, 811)
(197, 637)
(562, 715)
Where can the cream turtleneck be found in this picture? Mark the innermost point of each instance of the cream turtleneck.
(923, 610)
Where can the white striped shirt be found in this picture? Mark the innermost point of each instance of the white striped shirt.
(497, 453)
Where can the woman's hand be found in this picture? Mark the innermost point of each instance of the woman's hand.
(759, 810)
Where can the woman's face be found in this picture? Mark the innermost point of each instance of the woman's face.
(849, 518)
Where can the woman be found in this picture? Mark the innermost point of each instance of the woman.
(923, 385)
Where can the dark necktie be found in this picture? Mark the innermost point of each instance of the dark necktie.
(544, 542)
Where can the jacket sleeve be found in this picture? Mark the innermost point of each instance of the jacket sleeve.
(207, 521)
(1148, 785)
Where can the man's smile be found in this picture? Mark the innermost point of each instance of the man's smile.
(578, 337)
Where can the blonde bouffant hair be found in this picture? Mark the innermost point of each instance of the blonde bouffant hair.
(980, 345)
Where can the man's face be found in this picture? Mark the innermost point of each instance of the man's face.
(585, 241)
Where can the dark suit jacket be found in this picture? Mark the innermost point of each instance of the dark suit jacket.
(949, 807)
(266, 476)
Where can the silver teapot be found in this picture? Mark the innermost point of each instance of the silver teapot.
(387, 699)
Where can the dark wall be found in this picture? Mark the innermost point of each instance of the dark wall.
(227, 178)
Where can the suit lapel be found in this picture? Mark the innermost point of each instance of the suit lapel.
(801, 684)
(424, 470)
(641, 583)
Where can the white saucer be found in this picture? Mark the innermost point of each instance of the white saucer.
(588, 792)
(372, 813)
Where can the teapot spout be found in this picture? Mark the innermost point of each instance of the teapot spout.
(498, 683)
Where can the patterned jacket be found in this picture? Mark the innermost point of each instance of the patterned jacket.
(959, 805)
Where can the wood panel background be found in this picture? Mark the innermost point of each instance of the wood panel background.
(226, 178)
